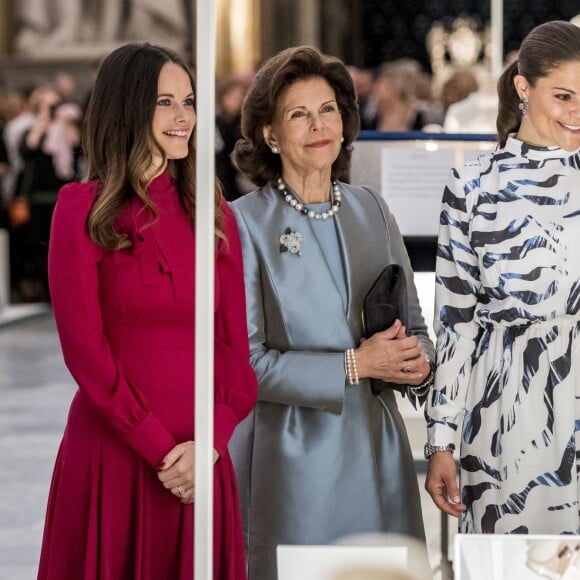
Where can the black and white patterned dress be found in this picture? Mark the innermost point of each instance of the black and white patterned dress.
(507, 319)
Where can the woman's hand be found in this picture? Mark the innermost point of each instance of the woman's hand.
(37, 132)
(177, 472)
(441, 483)
(393, 357)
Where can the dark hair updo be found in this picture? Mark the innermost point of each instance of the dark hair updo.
(544, 48)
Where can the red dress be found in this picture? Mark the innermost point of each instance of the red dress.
(126, 325)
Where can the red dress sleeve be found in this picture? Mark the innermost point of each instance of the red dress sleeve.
(236, 386)
(73, 269)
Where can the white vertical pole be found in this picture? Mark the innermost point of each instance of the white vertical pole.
(496, 37)
(204, 288)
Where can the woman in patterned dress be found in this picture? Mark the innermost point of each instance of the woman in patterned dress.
(508, 308)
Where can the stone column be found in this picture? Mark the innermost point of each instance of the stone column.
(267, 20)
(341, 33)
(223, 57)
(7, 12)
(308, 22)
(287, 23)
(238, 47)
(334, 26)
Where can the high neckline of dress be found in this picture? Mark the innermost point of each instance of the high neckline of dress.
(160, 185)
(522, 148)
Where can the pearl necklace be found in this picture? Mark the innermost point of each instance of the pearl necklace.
(298, 206)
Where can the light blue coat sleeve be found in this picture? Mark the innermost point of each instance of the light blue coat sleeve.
(295, 376)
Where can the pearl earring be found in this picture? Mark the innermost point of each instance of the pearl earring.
(275, 149)
(523, 106)
(342, 139)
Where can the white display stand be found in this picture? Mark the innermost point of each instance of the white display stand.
(525, 557)
(328, 562)
(356, 557)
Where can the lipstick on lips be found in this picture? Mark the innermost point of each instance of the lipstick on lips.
(322, 143)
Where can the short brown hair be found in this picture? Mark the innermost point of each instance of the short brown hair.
(252, 155)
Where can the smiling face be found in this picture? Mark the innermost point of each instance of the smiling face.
(553, 117)
(174, 117)
(307, 127)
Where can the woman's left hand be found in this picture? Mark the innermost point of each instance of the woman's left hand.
(177, 471)
(393, 356)
(416, 369)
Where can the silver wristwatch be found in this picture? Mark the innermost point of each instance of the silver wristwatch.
(431, 449)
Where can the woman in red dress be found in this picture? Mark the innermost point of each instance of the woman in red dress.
(121, 271)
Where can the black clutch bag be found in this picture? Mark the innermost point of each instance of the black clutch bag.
(384, 303)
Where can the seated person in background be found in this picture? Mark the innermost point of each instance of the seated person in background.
(457, 87)
(476, 113)
(393, 93)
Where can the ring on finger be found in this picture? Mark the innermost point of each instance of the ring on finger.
(407, 369)
(180, 490)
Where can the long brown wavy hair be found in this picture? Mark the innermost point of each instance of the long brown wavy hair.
(118, 141)
(544, 48)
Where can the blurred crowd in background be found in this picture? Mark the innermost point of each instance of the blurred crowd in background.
(40, 145)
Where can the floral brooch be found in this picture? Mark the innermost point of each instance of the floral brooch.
(291, 242)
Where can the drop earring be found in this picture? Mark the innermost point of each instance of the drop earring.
(523, 106)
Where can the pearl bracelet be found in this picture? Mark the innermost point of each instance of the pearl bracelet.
(351, 368)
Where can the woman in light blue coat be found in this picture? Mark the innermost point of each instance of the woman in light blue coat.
(321, 456)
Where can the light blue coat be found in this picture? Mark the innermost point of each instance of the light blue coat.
(318, 459)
